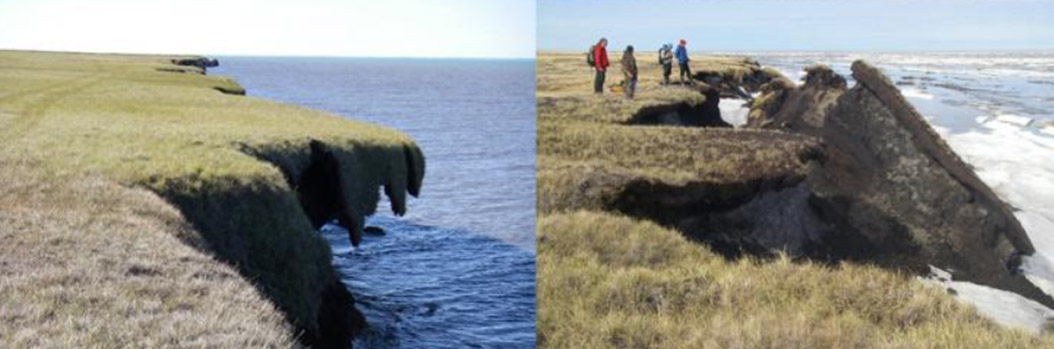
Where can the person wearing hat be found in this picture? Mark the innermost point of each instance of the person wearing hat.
(682, 61)
(666, 60)
(629, 71)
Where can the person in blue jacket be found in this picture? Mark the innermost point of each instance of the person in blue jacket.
(682, 62)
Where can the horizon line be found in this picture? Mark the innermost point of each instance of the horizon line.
(1040, 50)
(269, 55)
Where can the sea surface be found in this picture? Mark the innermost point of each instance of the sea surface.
(457, 271)
(996, 110)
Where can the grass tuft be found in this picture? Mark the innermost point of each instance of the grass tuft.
(606, 281)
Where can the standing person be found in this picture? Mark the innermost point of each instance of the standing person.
(682, 61)
(600, 63)
(666, 60)
(629, 71)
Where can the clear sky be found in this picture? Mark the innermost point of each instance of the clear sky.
(372, 28)
(806, 25)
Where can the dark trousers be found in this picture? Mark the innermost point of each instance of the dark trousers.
(598, 82)
(666, 70)
(685, 72)
(631, 86)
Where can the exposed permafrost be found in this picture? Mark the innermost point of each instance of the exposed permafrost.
(894, 192)
(343, 184)
(706, 114)
(886, 190)
(325, 181)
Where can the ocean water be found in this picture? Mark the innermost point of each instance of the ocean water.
(996, 110)
(458, 270)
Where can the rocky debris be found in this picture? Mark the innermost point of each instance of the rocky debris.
(373, 230)
(200, 62)
(338, 319)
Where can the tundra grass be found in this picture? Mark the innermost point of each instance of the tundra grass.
(88, 263)
(606, 281)
(565, 85)
(586, 153)
(130, 120)
(583, 164)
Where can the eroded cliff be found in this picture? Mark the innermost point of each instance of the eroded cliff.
(821, 171)
(250, 181)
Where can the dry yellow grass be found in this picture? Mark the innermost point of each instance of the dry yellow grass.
(583, 165)
(565, 86)
(586, 155)
(128, 121)
(606, 281)
(89, 263)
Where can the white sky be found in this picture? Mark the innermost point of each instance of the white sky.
(380, 28)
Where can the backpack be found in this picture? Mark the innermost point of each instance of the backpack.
(663, 50)
(591, 56)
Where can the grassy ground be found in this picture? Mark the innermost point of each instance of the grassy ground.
(565, 86)
(126, 120)
(582, 165)
(586, 154)
(610, 281)
(89, 263)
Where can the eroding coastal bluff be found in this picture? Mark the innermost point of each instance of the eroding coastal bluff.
(805, 226)
(145, 203)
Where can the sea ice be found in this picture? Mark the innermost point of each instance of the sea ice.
(1013, 119)
(733, 111)
(1008, 308)
(915, 93)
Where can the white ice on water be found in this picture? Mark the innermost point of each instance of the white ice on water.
(915, 93)
(1018, 164)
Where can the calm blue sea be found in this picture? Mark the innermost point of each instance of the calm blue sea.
(458, 270)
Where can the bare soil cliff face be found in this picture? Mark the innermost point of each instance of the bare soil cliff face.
(890, 191)
(799, 109)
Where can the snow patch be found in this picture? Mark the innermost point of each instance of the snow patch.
(1011, 119)
(916, 93)
(734, 111)
(1007, 308)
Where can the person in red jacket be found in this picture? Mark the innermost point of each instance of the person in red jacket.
(600, 63)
